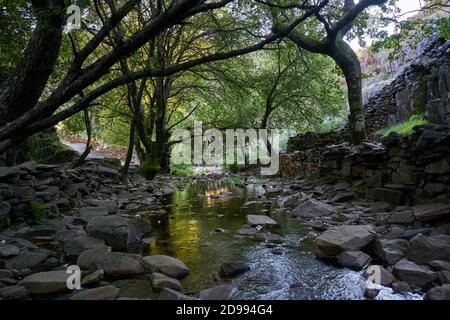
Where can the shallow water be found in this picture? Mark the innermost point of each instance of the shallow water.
(190, 233)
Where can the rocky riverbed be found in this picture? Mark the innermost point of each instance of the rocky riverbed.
(212, 237)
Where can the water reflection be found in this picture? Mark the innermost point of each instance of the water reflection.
(192, 232)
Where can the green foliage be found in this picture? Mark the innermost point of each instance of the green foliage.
(404, 128)
(149, 170)
(38, 212)
(181, 170)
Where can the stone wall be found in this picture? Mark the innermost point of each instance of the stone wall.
(395, 170)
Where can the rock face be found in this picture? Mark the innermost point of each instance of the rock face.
(46, 282)
(424, 249)
(429, 212)
(345, 238)
(260, 220)
(410, 272)
(221, 292)
(119, 264)
(169, 266)
(100, 293)
(353, 259)
(313, 208)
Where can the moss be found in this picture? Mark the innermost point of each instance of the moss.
(38, 212)
(45, 147)
(405, 128)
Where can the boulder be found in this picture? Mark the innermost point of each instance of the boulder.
(82, 243)
(93, 278)
(268, 237)
(118, 232)
(221, 292)
(261, 220)
(440, 265)
(438, 293)
(356, 260)
(343, 197)
(169, 266)
(390, 251)
(8, 250)
(170, 294)
(29, 260)
(100, 293)
(345, 238)
(413, 273)
(86, 258)
(87, 213)
(119, 264)
(385, 277)
(160, 281)
(313, 208)
(46, 282)
(371, 293)
(14, 293)
(404, 218)
(64, 236)
(429, 212)
(230, 269)
(424, 249)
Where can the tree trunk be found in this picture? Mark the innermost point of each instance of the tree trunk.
(87, 150)
(347, 60)
(28, 80)
(126, 166)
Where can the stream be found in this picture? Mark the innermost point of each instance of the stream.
(201, 230)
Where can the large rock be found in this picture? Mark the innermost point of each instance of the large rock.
(101, 293)
(345, 238)
(429, 212)
(404, 218)
(29, 260)
(438, 293)
(118, 232)
(119, 264)
(385, 277)
(424, 249)
(261, 220)
(356, 260)
(413, 273)
(86, 258)
(87, 213)
(46, 282)
(169, 266)
(233, 268)
(312, 209)
(160, 281)
(170, 294)
(82, 243)
(221, 292)
(14, 293)
(390, 251)
(8, 250)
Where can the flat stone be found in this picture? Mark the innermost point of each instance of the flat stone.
(86, 258)
(261, 220)
(429, 212)
(233, 268)
(385, 194)
(8, 250)
(356, 260)
(46, 282)
(87, 213)
(246, 231)
(438, 167)
(160, 281)
(170, 294)
(404, 218)
(64, 236)
(268, 237)
(345, 238)
(169, 266)
(411, 272)
(82, 243)
(343, 197)
(424, 249)
(119, 264)
(8, 172)
(112, 229)
(221, 292)
(100, 293)
(313, 208)
(438, 293)
(14, 293)
(440, 265)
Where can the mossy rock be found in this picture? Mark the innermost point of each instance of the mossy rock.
(112, 162)
(149, 171)
(45, 147)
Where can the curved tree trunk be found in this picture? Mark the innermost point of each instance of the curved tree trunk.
(347, 60)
